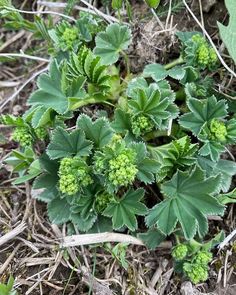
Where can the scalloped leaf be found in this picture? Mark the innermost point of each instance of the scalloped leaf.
(189, 200)
(123, 210)
(59, 211)
(202, 111)
(64, 144)
(99, 131)
(86, 64)
(110, 43)
(50, 93)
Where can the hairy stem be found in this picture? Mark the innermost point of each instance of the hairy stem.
(178, 61)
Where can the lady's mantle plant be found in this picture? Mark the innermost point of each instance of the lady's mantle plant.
(149, 154)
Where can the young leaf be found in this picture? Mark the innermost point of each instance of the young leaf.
(86, 64)
(189, 200)
(227, 34)
(152, 103)
(50, 92)
(64, 144)
(123, 210)
(177, 154)
(99, 131)
(202, 111)
(110, 43)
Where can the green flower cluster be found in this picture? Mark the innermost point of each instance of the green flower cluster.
(122, 169)
(205, 54)
(218, 130)
(23, 136)
(69, 36)
(41, 133)
(203, 257)
(141, 125)
(179, 252)
(102, 200)
(73, 174)
(196, 272)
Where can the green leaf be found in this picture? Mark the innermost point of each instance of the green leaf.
(7, 289)
(33, 171)
(50, 94)
(47, 182)
(228, 198)
(64, 144)
(153, 3)
(147, 167)
(156, 71)
(110, 43)
(151, 103)
(121, 123)
(41, 116)
(135, 83)
(59, 211)
(86, 64)
(189, 200)
(123, 210)
(227, 33)
(177, 154)
(99, 131)
(152, 238)
(226, 168)
(202, 111)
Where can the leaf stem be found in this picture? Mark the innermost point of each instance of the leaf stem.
(87, 101)
(174, 63)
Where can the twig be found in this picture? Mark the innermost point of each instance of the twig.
(22, 87)
(227, 240)
(87, 239)
(91, 9)
(157, 19)
(13, 233)
(23, 56)
(41, 12)
(9, 258)
(210, 40)
(19, 35)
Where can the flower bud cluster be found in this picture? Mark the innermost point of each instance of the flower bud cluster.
(23, 136)
(197, 270)
(122, 169)
(72, 176)
(205, 54)
(218, 130)
(41, 133)
(141, 125)
(69, 36)
(180, 252)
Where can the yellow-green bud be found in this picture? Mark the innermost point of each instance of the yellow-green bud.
(179, 252)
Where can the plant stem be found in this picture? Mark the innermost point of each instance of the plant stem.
(87, 101)
(174, 63)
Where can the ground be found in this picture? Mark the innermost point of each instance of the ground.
(33, 257)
